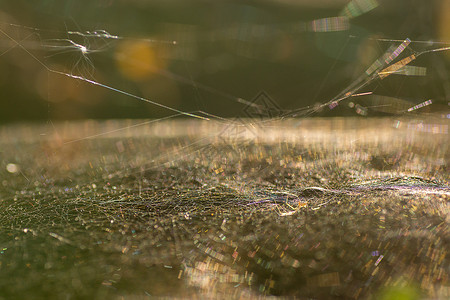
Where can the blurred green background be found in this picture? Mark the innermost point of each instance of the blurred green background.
(206, 55)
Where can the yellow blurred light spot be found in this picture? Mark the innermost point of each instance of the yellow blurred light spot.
(12, 168)
(137, 60)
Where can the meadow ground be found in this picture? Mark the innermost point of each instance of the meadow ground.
(305, 208)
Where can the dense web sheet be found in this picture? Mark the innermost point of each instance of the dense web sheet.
(264, 216)
(197, 204)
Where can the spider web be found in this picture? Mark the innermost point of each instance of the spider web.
(266, 203)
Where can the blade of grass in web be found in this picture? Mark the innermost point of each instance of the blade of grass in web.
(371, 74)
(394, 68)
(388, 57)
(367, 77)
(420, 105)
